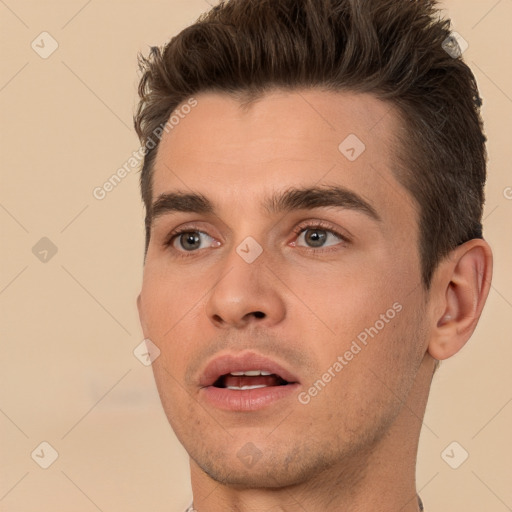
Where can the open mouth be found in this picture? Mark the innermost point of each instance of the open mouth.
(246, 382)
(252, 379)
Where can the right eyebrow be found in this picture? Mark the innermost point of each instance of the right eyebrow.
(180, 202)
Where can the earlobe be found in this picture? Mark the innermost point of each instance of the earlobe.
(462, 283)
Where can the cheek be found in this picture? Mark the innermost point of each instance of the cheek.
(345, 302)
(371, 322)
(379, 358)
(167, 296)
(164, 317)
(175, 401)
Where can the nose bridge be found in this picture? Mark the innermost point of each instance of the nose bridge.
(245, 291)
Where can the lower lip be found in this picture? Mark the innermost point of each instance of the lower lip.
(247, 399)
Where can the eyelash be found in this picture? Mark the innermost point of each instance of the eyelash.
(298, 230)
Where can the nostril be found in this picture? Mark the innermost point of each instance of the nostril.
(219, 320)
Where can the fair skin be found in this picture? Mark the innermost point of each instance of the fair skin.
(301, 303)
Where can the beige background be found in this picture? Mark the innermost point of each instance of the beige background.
(69, 325)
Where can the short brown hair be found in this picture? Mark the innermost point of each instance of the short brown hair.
(393, 49)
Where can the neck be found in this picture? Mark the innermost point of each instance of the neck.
(382, 478)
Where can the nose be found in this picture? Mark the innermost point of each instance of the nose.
(246, 293)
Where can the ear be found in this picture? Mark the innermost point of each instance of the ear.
(141, 314)
(460, 287)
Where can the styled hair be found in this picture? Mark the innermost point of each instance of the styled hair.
(400, 51)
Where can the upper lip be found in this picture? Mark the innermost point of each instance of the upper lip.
(245, 362)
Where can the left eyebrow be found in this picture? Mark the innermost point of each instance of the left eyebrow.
(319, 197)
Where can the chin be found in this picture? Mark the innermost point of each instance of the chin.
(269, 477)
(273, 471)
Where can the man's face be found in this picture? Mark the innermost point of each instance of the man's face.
(323, 290)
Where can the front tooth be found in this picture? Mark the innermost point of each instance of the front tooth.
(251, 373)
(237, 388)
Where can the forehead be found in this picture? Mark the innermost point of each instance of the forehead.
(235, 155)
